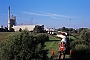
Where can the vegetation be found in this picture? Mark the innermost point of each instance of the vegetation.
(3, 35)
(52, 44)
(80, 47)
(85, 35)
(22, 46)
(80, 52)
(74, 43)
(6, 30)
(38, 29)
(71, 30)
(38, 44)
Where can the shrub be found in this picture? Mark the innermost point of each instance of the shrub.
(42, 37)
(75, 42)
(80, 52)
(22, 46)
(38, 29)
(85, 35)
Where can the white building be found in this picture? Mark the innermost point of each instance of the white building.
(29, 27)
(1, 26)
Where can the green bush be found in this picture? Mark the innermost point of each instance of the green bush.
(42, 37)
(76, 36)
(85, 35)
(38, 29)
(80, 52)
(22, 46)
(75, 42)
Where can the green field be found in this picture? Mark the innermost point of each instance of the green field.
(52, 44)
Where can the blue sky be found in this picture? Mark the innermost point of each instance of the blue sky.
(51, 13)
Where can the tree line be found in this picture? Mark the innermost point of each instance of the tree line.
(71, 30)
(6, 30)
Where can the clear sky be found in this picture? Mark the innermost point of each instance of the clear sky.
(51, 13)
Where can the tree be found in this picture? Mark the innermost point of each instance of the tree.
(6, 29)
(38, 29)
(75, 42)
(20, 30)
(81, 29)
(85, 35)
(80, 52)
(80, 48)
(22, 46)
(63, 29)
(2, 30)
(11, 30)
(71, 29)
(42, 37)
(74, 31)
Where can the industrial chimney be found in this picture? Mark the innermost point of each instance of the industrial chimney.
(9, 12)
(9, 26)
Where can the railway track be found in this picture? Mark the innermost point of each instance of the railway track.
(58, 57)
(61, 56)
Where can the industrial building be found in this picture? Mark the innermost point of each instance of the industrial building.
(28, 27)
(1, 26)
(11, 21)
(12, 24)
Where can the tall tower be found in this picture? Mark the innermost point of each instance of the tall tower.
(9, 23)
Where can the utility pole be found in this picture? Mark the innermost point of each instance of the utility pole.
(69, 29)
